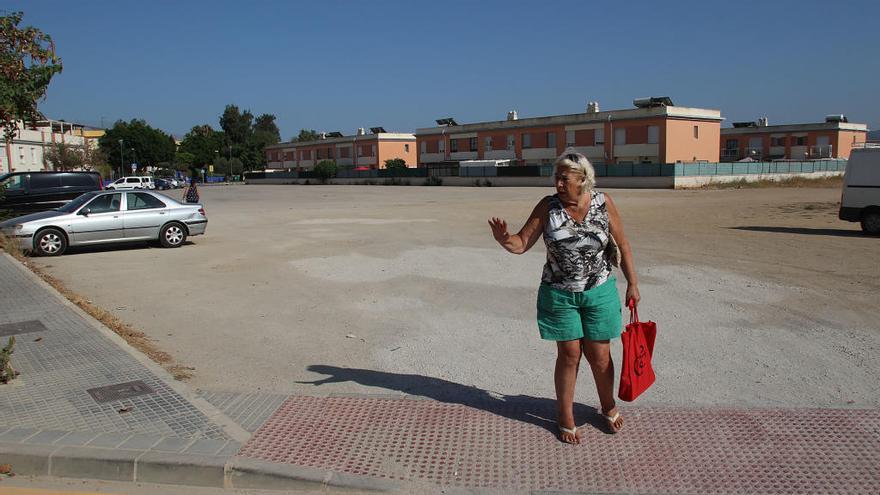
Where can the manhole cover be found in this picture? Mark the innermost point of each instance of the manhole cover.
(120, 391)
(29, 326)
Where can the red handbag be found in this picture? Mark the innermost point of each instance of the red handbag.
(638, 346)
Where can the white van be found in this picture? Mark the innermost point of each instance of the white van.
(860, 200)
(132, 183)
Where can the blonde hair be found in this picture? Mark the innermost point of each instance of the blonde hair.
(580, 164)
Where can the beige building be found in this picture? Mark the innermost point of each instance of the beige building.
(655, 131)
(360, 150)
(758, 140)
(25, 152)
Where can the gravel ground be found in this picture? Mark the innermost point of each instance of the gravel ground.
(762, 297)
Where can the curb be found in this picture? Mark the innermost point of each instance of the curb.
(179, 469)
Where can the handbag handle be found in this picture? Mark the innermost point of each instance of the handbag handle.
(633, 311)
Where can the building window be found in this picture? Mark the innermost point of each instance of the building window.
(551, 139)
(472, 142)
(619, 137)
(569, 138)
(511, 142)
(777, 141)
(453, 145)
(373, 150)
(526, 140)
(800, 141)
(406, 148)
(653, 134)
(487, 143)
(423, 146)
(599, 137)
(696, 132)
(442, 145)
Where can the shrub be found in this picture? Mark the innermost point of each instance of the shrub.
(325, 170)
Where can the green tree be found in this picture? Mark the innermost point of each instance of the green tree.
(265, 133)
(221, 166)
(64, 156)
(395, 163)
(237, 126)
(96, 160)
(305, 135)
(203, 143)
(236, 167)
(140, 143)
(183, 161)
(325, 170)
(27, 64)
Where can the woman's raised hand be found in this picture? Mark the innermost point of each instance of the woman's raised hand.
(499, 229)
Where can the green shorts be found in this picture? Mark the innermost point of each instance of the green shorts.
(594, 314)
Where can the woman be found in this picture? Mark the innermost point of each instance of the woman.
(192, 193)
(578, 305)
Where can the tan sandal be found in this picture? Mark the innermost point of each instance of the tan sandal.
(570, 431)
(611, 421)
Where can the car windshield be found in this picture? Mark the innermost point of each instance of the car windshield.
(76, 203)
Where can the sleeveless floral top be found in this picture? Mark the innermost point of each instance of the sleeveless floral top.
(576, 259)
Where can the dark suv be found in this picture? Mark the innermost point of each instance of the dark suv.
(38, 191)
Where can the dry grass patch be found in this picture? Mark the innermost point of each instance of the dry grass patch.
(134, 337)
(11, 247)
(820, 182)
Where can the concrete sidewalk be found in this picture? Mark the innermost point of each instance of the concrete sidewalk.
(88, 406)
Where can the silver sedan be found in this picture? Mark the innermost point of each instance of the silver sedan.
(105, 217)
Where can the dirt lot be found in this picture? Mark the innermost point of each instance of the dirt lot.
(762, 296)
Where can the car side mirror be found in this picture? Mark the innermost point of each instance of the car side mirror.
(85, 212)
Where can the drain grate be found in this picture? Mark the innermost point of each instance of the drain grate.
(29, 326)
(120, 391)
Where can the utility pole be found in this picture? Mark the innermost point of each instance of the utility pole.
(121, 158)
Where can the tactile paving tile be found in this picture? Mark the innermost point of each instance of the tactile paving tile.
(663, 450)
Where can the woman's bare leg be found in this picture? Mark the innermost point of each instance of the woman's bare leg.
(598, 354)
(568, 356)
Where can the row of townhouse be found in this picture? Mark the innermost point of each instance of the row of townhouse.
(655, 131)
(25, 152)
(758, 140)
(360, 150)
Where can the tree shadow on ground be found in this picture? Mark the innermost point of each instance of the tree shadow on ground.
(802, 230)
(537, 411)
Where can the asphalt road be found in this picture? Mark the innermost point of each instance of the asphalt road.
(762, 297)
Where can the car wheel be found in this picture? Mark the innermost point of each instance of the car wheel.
(172, 235)
(871, 222)
(50, 242)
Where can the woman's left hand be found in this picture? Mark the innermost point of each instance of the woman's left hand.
(632, 294)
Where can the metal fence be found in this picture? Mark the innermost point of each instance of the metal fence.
(602, 170)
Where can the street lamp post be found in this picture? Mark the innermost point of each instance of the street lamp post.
(134, 154)
(121, 158)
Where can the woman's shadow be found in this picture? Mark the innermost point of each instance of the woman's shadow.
(533, 410)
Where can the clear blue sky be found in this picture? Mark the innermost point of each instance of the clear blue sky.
(342, 65)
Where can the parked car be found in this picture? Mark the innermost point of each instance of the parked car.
(860, 198)
(37, 191)
(132, 182)
(106, 217)
(162, 184)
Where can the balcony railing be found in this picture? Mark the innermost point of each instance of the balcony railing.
(821, 151)
(730, 155)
